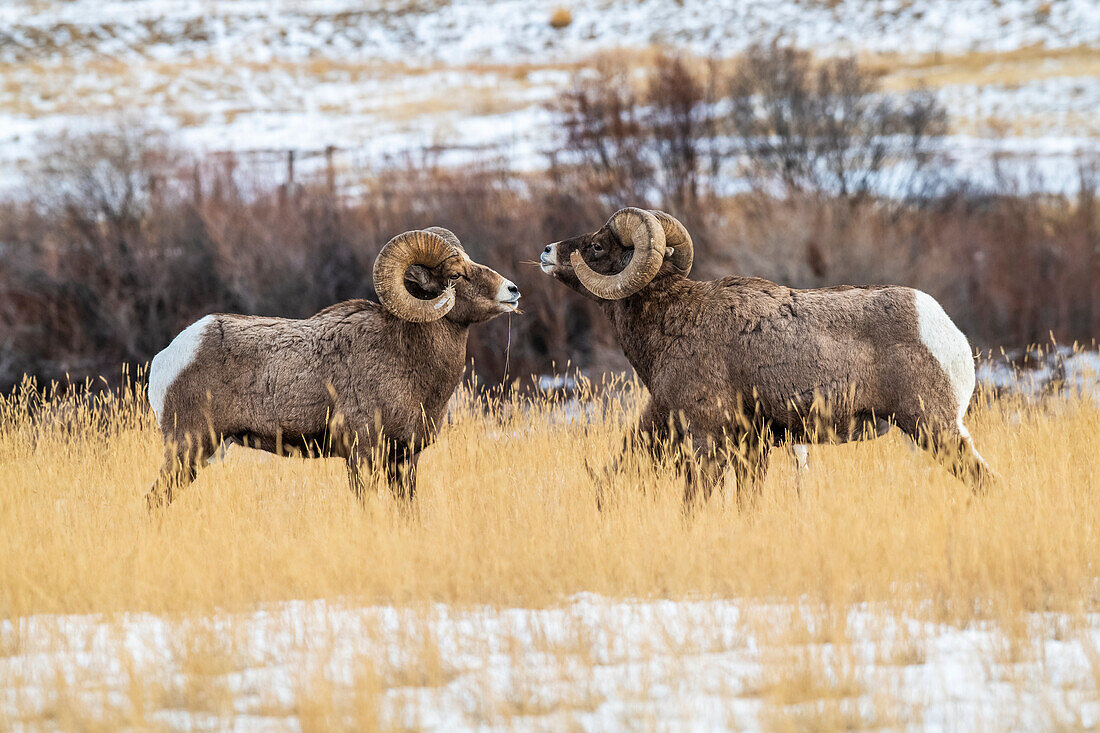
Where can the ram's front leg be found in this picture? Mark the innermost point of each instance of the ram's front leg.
(400, 467)
(705, 462)
(750, 467)
(649, 438)
(351, 442)
(355, 465)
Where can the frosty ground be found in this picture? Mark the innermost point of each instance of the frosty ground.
(594, 662)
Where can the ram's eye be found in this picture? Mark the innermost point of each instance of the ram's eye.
(455, 277)
(597, 248)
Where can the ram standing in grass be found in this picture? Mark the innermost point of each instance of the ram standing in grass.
(360, 380)
(733, 365)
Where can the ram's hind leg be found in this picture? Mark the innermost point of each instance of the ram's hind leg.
(940, 427)
(181, 461)
(950, 443)
(955, 450)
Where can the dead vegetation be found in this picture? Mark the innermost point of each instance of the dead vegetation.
(268, 591)
(123, 240)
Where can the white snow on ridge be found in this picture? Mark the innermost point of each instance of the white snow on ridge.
(595, 662)
(462, 31)
(1046, 106)
(388, 78)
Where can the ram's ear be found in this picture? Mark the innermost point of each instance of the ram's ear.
(422, 282)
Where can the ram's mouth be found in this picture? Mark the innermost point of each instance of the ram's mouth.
(512, 305)
(546, 265)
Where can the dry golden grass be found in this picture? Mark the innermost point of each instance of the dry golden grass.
(1016, 66)
(506, 515)
(561, 17)
(505, 518)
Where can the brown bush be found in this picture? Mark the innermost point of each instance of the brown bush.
(88, 285)
(124, 241)
(561, 18)
(776, 117)
(820, 125)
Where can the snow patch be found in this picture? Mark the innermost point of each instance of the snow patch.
(593, 663)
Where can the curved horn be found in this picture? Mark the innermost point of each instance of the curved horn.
(678, 239)
(448, 235)
(401, 253)
(635, 228)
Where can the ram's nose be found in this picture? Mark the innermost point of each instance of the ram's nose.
(508, 294)
(548, 258)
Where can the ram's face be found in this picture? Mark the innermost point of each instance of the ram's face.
(602, 250)
(481, 293)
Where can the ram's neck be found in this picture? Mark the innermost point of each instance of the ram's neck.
(441, 348)
(642, 322)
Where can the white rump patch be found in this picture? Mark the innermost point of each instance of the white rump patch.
(950, 347)
(176, 357)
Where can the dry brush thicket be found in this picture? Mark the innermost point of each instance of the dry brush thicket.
(124, 240)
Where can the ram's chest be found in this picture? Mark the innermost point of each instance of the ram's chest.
(436, 392)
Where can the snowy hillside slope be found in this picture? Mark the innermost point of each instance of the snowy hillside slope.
(383, 78)
(506, 31)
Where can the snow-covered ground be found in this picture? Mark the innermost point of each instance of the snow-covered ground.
(386, 78)
(593, 662)
(1035, 374)
(508, 31)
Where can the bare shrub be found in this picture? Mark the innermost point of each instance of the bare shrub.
(779, 117)
(123, 241)
(97, 269)
(822, 125)
(604, 146)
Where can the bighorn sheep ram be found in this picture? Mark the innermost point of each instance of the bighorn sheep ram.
(360, 380)
(734, 365)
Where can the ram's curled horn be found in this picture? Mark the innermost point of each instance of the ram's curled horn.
(449, 236)
(635, 228)
(678, 241)
(401, 253)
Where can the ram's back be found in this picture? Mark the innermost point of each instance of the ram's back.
(784, 348)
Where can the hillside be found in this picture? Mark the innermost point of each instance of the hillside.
(1021, 76)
